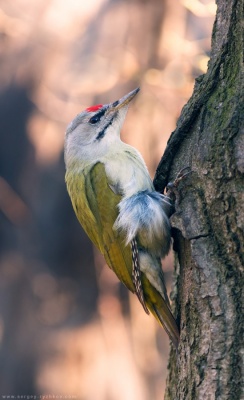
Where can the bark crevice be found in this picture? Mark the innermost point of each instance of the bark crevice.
(208, 224)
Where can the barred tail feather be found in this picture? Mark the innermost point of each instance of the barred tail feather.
(136, 274)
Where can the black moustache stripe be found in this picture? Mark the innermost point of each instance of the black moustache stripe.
(102, 133)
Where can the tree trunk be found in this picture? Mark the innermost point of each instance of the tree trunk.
(208, 223)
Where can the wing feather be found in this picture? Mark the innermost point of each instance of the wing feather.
(116, 253)
(76, 187)
(95, 205)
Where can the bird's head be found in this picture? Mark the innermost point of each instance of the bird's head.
(92, 132)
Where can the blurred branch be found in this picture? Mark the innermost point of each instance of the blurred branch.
(11, 204)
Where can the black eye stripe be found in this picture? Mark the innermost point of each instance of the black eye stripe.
(96, 118)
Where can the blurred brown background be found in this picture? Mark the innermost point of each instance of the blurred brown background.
(67, 327)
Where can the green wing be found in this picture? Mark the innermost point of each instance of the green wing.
(95, 205)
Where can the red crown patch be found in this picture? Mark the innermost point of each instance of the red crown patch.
(94, 108)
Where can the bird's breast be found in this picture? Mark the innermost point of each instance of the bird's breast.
(128, 172)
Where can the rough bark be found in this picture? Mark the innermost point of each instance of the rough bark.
(209, 222)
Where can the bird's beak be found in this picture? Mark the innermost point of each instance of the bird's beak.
(125, 100)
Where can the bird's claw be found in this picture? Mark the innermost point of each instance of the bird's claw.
(181, 175)
(172, 187)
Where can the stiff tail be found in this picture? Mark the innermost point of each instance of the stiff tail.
(166, 319)
(160, 310)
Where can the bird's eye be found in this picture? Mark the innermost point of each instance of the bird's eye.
(93, 120)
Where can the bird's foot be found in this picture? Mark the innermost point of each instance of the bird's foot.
(172, 187)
